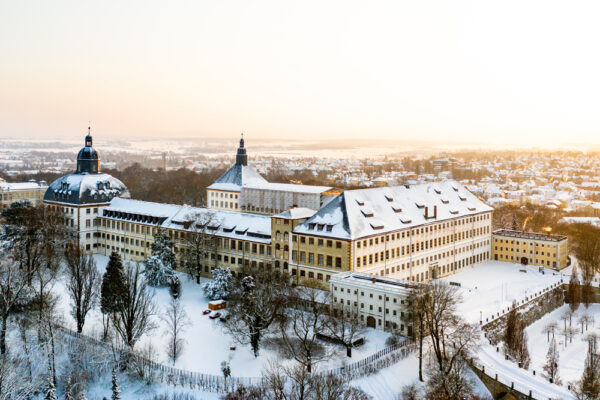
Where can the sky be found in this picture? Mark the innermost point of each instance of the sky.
(507, 72)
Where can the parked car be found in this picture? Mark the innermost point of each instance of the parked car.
(215, 315)
(206, 312)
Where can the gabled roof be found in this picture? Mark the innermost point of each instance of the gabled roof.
(236, 177)
(366, 212)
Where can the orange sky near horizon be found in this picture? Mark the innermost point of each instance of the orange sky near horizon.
(472, 71)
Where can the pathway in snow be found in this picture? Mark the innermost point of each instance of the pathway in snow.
(524, 381)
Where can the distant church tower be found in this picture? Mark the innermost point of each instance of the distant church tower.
(241, 158)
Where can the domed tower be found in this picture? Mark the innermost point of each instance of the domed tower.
(87, 159)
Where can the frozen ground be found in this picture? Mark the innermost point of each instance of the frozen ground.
(489, 287)
(207, 344)
(572, 357)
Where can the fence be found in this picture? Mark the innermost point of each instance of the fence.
(529, 391)
(160, 373)
(499, 314)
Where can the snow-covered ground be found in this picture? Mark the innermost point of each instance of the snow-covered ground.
(489, 287)
(572, 357)
(207, 344)
(524, 380)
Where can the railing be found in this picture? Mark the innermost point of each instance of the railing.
(161, 373)
(528, 391)
(488, 319)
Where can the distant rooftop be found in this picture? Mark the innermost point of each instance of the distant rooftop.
(529, 235)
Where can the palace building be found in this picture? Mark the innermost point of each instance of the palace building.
(11, 192)
(82, 194)
(410, 233)
(242, 188)
(532, 248)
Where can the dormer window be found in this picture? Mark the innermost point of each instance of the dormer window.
(99, 185)
(329, 228)
(311, 226)
(320, 226)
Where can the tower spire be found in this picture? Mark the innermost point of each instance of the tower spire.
(241, 158)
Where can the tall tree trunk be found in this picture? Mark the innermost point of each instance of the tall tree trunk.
(3, 334)
(421, 351)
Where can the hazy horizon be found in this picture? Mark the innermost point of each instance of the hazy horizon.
(467, 72)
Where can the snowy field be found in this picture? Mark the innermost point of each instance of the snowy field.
(207, 344)
(492, 286)
(572, 357)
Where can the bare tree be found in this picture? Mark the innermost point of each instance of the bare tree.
(584, 320)
(83, 282)
(344, 325)
(550, 328)
(133, 316)
(293, 382)
(452, 340)
(14, 291)
(177, 320)
(417, 301)
(200, 241)
(257, 301)
(299, 331)
(13, 385)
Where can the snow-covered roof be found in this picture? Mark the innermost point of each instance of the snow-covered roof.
(365, 212)
(296, 213)
(236, 177)
(235, 225)
(12, 186)
(84, 188)
(365, 281)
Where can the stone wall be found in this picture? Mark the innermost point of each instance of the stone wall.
(531, 312)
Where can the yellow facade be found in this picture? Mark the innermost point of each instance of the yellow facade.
(539, 249)
(133, 240)
(13, 192)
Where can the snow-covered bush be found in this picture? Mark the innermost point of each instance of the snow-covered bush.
(220, 286)
(161, 264)
(157, 273)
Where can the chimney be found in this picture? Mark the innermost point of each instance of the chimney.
(374, 280)
(434, 212)
(426, 212)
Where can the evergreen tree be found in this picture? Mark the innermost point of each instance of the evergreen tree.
(588, 388)
(113, 287)
(573, 295)
(116, 392)
(220, 287)
(515, 338)
(160, 266)
(551, 366)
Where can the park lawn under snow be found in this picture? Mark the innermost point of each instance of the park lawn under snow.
(207, 343)
(489, 287)
(572, 357)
